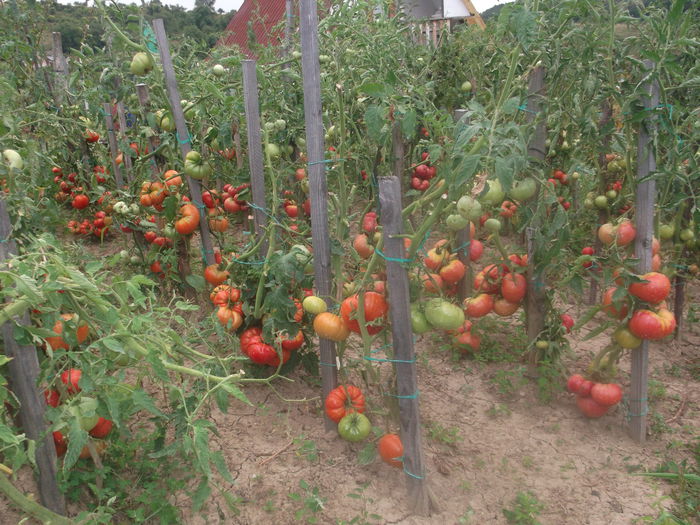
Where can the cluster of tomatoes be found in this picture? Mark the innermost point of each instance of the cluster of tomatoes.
(345, 405)
(594, 399)
(558, 181)
(498, 289)
(66, 393)
(365, 241)
(423, 173)
(99, 226)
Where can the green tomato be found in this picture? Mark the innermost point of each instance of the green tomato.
(687, 235)
(666, 232)
(141, 63)
(354, 427)
(296, 54)
(600, 202)
(13, 159)
(524, 189)
(492, 225)
(443, 315)
(469, 208)
(466, 86)
(269, 126)
(611, 194)
(195, 166)
(456, 222)
(273, 150)
(495, 194)
(314, 305)
(419, 323)
(542, 345)
(625, 338)
(218, 70)
(280, 124)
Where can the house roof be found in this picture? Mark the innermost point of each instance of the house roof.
(263, 15)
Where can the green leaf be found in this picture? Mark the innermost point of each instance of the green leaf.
(93, 267)
(201, 446)
(186, 307)
(77, 439)
(196, 281)
(170, 207)
(217, 459)
(409, 122)
(158, 368)
(375, 89)
(201, 494)
(367, 454)
(464, 173)
(374, 120)
(143, 401)
(236, 392)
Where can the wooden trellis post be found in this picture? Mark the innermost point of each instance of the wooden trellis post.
(113, 147)
(24, 372)
(390, 206)
(60, 68)
(255, 151)
(318, 191)
(644, 222)
(144, 102)
(183, 135)
(464, 239)
(535, 297)
(126, 156)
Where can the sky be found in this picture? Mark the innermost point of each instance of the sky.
(228, 5)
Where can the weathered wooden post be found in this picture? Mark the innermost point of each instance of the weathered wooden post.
(113, 147)
(535, 283)
(404, 359)
(126, 155)
(24, 372)
(464, 238)
(60, 69)
(255, 151)
(318, 191)
(183, 135)
(644, 222)
(144, 102)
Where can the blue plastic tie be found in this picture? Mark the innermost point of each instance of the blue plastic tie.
(333, 365)
(411, 474)
(523, 107)
(184, 141)
(410, 396)
(325, 161)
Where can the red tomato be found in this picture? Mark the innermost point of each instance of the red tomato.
(654, 290)
(391, 449)
(478, 306)
(574, 383)
(375, 307)
(343, 400)
(606, 394)
(102, 428)
(590, 408)
(514, 287)
(71, 378)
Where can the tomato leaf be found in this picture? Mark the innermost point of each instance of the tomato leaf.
(236, 392)
(367, 454)
(143, 401)
(201, 494)
(375, 89)
(196, 281)
(77, 439)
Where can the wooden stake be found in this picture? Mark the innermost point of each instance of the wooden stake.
(255, 151)
(60, 68)
(113, 147)
(535, 299)
(318, 191)
(23, 376)
(126, 155)
(419, 497)
(144, 102)
(464, 239)
(183, 135)
(644, 222)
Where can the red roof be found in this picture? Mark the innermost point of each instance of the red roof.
(264, 15)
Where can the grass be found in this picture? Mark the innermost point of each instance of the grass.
(524, 510)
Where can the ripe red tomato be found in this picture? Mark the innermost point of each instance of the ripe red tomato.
(654, 289)
(214, 276)
(102, 428)
(342, 400)
(391, 449)
(453, 271)
(504, 307)
(71, 378)
(574, 383)
(60, 443)
(617, 310)
(52, 397)
(189, 220)
(476, 249)
(590, 408)
(646, 324)
(81, 202)
(514, 287)
(606, 394)
(478, 306)
(584, 388)
(467, 342)
(362, 246)
(567, 321)
(375, 307)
